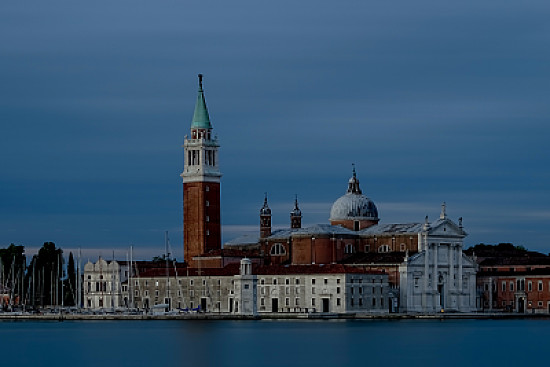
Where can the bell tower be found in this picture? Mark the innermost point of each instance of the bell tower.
(265, 219)
(201, 185)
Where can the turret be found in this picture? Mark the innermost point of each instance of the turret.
(296, 216)
(265, 220)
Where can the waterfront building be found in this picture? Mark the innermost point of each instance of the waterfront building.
(249, 289)
(513, 280)
(101, 285)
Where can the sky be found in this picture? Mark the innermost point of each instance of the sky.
(433, 101)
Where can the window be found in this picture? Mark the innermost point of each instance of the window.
(352, 302)
(402, 247)
(337, 281)
(297, 280)
(338, 302)
(287, 290)
(367, 248)
(360, 301)
(529, 286)
(326, 281)
(337, 290)
(313, 301)
(312, 290)
(262, 281)
(287, 281)
(204, 282)
(287, 302)
(297, 302)
(277, 250)
(511, 286)
(504, 286)
(191, 282)
(416, 282)
(156, 283)
(384, 248)
(246, 286)
(540, 285)
(349, 249)
(262, 301)
(275, 281)
(313, 281)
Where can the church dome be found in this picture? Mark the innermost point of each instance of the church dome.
(353, 205)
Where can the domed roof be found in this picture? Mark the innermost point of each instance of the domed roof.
(353, 205)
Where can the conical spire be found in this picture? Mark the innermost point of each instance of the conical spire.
(296, 212)
(265, 209)
(201, 120)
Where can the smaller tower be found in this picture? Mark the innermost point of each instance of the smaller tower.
(265, 220)
(296, 215)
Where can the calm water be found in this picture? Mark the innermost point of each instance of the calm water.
(275, 343)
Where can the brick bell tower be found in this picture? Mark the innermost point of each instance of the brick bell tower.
(201, 185)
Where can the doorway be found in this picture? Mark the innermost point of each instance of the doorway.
(521, 305)
(275, 305)
(203, 304)
(326, 305)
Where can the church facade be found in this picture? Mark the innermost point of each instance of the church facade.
(424, 264)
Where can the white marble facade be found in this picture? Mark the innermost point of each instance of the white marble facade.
(439, 278)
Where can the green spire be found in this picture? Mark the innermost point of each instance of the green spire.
(201, 120)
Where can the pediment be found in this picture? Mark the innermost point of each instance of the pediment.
(446, 228)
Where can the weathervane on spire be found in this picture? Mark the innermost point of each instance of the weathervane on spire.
(200, 81)
(353, 165)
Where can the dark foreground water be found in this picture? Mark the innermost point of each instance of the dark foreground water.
(276, 343)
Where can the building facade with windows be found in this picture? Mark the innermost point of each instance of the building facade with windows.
(102, 285)
(248, 289)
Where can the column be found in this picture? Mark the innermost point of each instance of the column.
(426, 271)
(451, 289)
(459, 250)
(435, 280)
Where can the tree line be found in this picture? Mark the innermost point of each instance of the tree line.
(44, 280)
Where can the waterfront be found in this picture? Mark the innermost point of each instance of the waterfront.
(275, 342)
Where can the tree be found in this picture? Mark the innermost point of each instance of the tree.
(47, 268)
(70, 283)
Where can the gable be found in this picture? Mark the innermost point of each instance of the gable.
(446, 228)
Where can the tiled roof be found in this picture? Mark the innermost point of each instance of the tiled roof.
(375, 258)
(310, 270)
(229, 270)
(229, 252)
(393, 228)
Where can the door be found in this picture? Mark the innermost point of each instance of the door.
(230, 305)
(203, 304)
(275, 305)
(521, 305)
(326, 305)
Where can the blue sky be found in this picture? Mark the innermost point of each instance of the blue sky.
(433, 101)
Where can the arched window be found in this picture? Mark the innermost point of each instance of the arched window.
(349, 249)
(277, 249)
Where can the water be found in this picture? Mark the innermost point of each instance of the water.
(275, 343)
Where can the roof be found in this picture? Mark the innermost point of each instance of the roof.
(231, 253)
(245, 239)
(310, 269)
(375, 258)
(391, 228)
(229, 270)
(201, 119)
